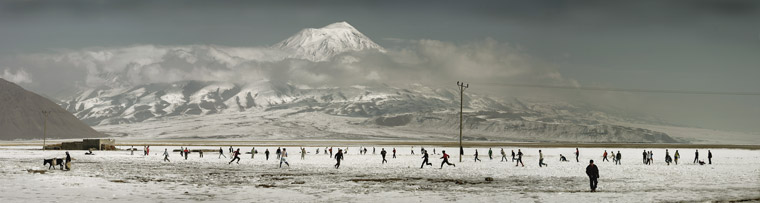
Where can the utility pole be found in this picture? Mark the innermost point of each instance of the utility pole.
(461, 86)
(44, 129)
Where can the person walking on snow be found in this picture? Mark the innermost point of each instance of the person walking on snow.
(253, 151)
(394, 152)
(667, 157)
(221, 153)
(235, 156)
(382, 153)
(331, 154)
(412, 150)
(278, 152)
(283, 158)
(644, 156)
(541, 159)
(445, 158)
(709, 157)
(519, 158)
(604, 156)
(618, 157)
(166, 155)
(696, 156)
(338, 157)
(577, 153)
(676, 156)
(593, 174)
(503, 155)
(476, 156)
(490, 154)
(513, 155)
(266, 153)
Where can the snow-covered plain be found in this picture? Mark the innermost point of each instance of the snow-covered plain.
(117, 176)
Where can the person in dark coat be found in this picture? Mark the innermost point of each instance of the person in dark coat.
(593, 174)
(68, 161)
(617, 158)
(425, 160)
(696, 156)
(382, 153)
(709, 157)
(266, 153)
(338, 157)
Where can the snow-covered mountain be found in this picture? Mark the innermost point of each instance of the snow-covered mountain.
(268, 108)
(321, 44)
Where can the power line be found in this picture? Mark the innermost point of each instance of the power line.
(625, 89)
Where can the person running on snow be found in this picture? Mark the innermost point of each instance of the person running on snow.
(266, 153)
(696, 156)
(593, 174)
(394, 152)
(541, 159)
(412, 150)
(425, 160)
(283, 158)
(221, 153)
(338, 157)
(476, 155)
(186, 152)
(513, 155)
(604, 156)
(445, 158)
(382, 153)
(519, 158)
(303, 153)
(490, 154)
(166, 155)
(503, 155)
(709, 156)
(235, 155)
(278, 152)
(577, 153)
(618, 157)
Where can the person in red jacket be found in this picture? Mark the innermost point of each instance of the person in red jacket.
(235, 156)
(445, 158)
(394, 152)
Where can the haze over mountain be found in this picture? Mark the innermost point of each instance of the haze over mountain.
(21, 116)
(294, 102)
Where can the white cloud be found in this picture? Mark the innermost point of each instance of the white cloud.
(18, 77)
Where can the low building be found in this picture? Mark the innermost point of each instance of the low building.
(86, 144)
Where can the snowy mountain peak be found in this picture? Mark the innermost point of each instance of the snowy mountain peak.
(321, 44)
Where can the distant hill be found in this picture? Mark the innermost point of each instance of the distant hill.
(21, 116)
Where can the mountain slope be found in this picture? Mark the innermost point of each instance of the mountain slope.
(21, 116)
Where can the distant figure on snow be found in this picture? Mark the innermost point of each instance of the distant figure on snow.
(166, 155)
(519, 158)
(425, 160)
(235, 156)
(338, 157)
(503, 156)
(709, 157)
(604, 156)
(445, 158)
(283, 158)
(577, 153)
(617, 158)
(278, 152)
(696, 156)
(382, 153)
(394, 152)
(476, 156)
(490, 154)
(68, 161)
(266, 153)
(562, 158)
(221, 153)
(541, 159)
(593, 174)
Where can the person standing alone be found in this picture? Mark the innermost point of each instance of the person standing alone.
(577, 153)
(338, 157)
(709, 157)
(593, 174)
(696, 156)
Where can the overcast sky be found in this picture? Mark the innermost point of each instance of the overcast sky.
(674, 45)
